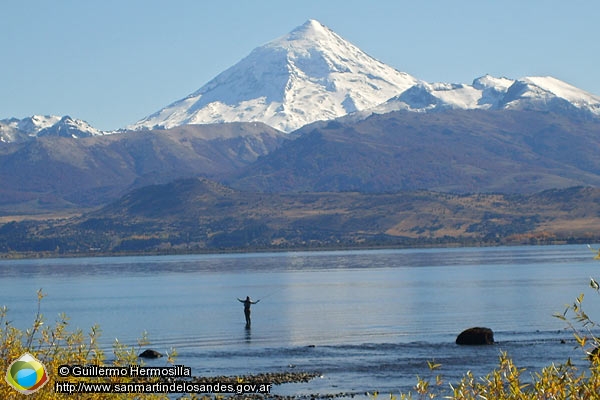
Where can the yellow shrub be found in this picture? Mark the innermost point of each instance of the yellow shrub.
(54, 346)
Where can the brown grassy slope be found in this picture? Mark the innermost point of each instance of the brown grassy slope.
(199, 215)
(206, 210)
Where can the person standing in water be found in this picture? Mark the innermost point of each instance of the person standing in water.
(247, 304)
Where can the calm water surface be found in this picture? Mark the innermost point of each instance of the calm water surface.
(367, 320)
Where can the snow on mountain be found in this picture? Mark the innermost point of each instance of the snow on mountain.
(426, 96)
(490, 93)
(36, 122)
(492, 90)
(550, 94)
(307, 75)
(68, 127)
(563, 90)
(20, 130)
(14, 129)
(313, 74)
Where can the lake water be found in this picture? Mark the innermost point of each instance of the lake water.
(366, 320)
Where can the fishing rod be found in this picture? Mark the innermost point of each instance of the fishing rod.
(266, 296)
(271, 294)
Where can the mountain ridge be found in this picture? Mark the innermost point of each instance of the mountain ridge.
(313, 74)
(534, 93)
(461, 151)
(55, 172)
(14, 130)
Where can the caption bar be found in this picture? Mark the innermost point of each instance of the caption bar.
(136, 371)
(132, 371)
(173, 387)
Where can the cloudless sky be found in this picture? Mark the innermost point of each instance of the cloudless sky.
(113, 62)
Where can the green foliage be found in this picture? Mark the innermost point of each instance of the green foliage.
(54, 345)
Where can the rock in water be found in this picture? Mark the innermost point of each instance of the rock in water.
(150, 354)
(476, 336)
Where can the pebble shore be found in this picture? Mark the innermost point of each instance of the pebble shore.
(273, 378)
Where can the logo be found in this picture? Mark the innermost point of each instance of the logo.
(26, 374)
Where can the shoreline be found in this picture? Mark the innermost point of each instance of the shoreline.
(274, 379)
(449, 245)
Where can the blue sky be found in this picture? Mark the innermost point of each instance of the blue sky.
(112, 63)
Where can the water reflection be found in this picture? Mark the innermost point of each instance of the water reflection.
(308, 298)
(292, 261)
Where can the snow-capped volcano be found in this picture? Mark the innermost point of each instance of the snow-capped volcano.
(307, 75)
(313, 74)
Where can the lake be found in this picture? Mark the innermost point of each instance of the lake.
(365, 320)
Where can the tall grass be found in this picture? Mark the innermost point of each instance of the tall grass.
(55, 345)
